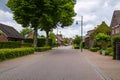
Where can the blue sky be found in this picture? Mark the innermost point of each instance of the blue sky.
(93, 12)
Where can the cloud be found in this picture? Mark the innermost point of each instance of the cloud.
(7, 18)
(93, 12)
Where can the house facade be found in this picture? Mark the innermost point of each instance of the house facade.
(115, 23)
(31, 35)
(102, 28)
(59, 39)
(88, 41)
(9, 33)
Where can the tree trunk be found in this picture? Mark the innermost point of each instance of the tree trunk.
(47, 35)
(35, 37)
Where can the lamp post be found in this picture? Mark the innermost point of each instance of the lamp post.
(57, 37)
(81, 31)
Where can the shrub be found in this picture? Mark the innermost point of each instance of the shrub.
(40, 49)
(76, 47)
(94, 49)
(40, 42)
(102, 39)
(100, 51)
(86, 47)
(77, 40)
(17, 52)
(114, 40)
(108, 51)
(28, 40)
(27, 45)
(10, 44)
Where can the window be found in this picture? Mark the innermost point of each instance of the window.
(112, 31)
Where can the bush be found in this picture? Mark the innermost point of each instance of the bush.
(40, 42)
(94, 49)
(114, 40)
(28, 40)
(109, 51)
(27, 45)
(76, 47)
(10, 44)
(12, 53)
(40, 49)
(86, 47)
(100, 51)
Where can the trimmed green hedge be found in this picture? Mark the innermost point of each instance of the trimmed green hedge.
(94, 49)
(114, 40)
(76, 46)
(109, 51)
(40, 49)
(10, 44)
(86, 47)
(17, 52)
(27, 45)
(40, 42)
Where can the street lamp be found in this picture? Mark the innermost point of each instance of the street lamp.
(81, 30)
(57, 37)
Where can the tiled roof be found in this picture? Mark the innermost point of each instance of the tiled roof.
(10, 31)
(59, 37)
(115, 18)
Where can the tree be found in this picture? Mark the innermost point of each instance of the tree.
(102, 28)
(53, 37)
(77, 40)
(26, 31)
(44, 14)
(42, 36)
(66, 41)
(28, 13)
(59, 12)
(102, 39)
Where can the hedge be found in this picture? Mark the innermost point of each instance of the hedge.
(27, 45)
(76, 46)
(12, 53)
(109, 51)
(10, 44)
(40, 49)
(94, 49)
(114, 40)
(40, 42)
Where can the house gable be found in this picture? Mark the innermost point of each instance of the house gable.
(10, 32)
(115, 19)
(115, 23)
(3, 37)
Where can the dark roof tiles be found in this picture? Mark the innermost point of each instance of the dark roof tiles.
(115, 18)
(10, 31)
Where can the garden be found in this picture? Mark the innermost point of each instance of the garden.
(99, 40)
(13, 49)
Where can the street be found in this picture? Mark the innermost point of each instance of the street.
(63, 63)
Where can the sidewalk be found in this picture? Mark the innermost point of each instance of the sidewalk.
(105, 63)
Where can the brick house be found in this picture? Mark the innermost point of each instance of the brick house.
(88, 41)
(31, 35)
(60, 39)
(115, 23)
(9, 34)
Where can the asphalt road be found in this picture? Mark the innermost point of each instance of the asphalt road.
(61, 63)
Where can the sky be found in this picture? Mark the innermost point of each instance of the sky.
(93, 12)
